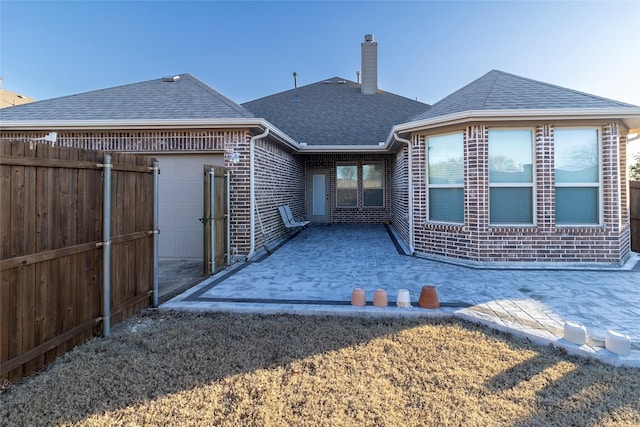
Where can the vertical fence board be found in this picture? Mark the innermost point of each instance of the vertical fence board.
(5, 315)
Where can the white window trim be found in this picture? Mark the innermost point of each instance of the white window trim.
(429, 186)
(599, 185)
(532, 185)
(375, 162)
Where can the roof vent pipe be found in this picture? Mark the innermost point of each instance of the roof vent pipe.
(369, 65)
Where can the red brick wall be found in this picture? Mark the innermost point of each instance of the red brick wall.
(359, 214)
(478, 241)
(279, 180)
(400, 193)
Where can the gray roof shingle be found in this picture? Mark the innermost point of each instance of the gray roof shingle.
(498, 90)
(335, 112)
(184, 98)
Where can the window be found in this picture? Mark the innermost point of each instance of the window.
(445, 164)
(510, 176)
(577, 170)
(347, 186)
(373, 184)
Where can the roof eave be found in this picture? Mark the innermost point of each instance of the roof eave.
(230, 123)
(630, 116)
(317, 149)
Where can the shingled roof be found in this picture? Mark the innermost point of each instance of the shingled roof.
(180, 97)
(498, 90)
(335, 112)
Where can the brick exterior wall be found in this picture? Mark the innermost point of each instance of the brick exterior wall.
(400, 193)
(359, 214)
(279, 180)
(478, 241)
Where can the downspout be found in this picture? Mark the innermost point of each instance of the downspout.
(252, 195)
(410, 173)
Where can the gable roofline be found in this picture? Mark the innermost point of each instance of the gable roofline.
(630, 116)
(148, 124)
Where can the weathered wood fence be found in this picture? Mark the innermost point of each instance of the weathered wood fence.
(53, 246)
(634, 211)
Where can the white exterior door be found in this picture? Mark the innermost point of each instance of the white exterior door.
(180, 203)
(318, 196)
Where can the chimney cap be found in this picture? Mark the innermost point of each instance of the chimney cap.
(368, 38)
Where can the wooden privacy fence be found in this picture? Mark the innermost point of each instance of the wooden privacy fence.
(634, 210)
(58, 260)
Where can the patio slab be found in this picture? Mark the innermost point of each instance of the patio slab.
(316, 271)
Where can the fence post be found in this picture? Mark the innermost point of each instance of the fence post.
(212, 229)
(106, 245)
(228, 216)
(156, 171)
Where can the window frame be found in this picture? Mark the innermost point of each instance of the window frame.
(429, 186)
(532, 184)
(599, 187)
(354, 164)
(382, 187)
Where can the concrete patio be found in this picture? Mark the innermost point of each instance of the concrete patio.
(316, 271)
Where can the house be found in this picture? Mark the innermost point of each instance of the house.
(506, 169)
(9, 99)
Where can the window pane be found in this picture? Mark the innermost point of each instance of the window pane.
(373, 175)
(576, 205)
(510, 155)
(446, 204)
(347, 176)
(347, 197)
(511, 205)
(373, 197)
(576, 155)
(446, 159)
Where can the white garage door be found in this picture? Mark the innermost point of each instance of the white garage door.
(180, 203)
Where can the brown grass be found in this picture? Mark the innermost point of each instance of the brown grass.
(215, 369)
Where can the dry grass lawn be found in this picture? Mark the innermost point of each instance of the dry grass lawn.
(242, 370)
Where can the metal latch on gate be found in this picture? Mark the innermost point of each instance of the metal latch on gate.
(207, 219)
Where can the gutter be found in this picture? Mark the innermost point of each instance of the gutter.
(252, 194)
(313, 149)
(410, 184)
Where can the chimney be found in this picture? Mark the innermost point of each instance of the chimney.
(369, 65)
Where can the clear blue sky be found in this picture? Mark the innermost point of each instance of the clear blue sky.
(248, 50)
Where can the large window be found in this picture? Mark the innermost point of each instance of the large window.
(445, 165)
(347, 186)
(577, 170)
(510, 176)
(373, 184)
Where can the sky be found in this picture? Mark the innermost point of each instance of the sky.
(247, 50)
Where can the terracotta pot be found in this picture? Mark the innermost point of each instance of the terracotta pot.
(357, 297)
(429, 297)
(404, 298)
(380, 298)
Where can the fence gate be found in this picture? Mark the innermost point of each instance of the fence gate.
(634, 207)
(215, 218)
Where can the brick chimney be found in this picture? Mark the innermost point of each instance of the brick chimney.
(369, 65)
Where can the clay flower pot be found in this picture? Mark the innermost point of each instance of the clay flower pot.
(404, 299)
(429, 297)
(380, 298)
(357, 297)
